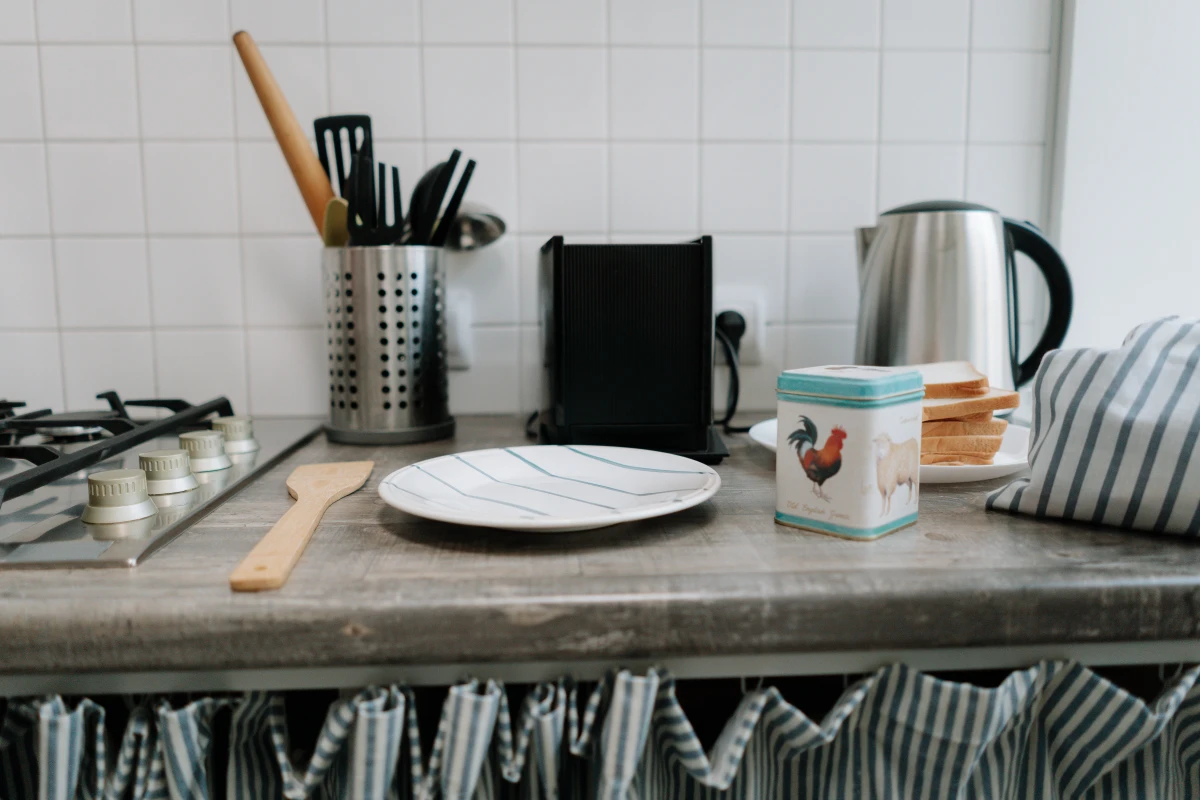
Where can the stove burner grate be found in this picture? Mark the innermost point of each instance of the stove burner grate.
(86, 426)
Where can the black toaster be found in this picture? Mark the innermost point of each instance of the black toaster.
(627, 346)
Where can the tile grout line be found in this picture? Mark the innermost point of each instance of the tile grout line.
(254, 139)
(699, 139)
(293, 235)
(235, 63)
(419, 7)
(62, 355)
(966, 162)
(790, 103)
(538, 45)
(508, 324)
(608, 105)
(137, 86)
(517, 142)
(878, 106)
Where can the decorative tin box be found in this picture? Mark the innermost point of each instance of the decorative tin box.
(848, 458)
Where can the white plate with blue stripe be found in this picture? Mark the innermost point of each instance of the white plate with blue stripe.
(549, 488)
(1013, 456)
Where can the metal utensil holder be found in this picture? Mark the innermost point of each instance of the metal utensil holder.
(387, 345)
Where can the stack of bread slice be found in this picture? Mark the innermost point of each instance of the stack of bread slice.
(957, 427)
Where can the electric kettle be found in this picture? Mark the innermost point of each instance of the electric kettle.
(938, 282)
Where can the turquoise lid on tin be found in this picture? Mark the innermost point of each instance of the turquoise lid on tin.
(851, 382)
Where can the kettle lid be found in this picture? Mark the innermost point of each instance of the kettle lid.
(937, 205)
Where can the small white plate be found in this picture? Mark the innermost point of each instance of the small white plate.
(549, 488)
(1013, 456)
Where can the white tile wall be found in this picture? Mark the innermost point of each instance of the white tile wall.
(654, 93)
(102, 283)
(744, 94)
(152, 239)
(202, 73)
(19, 95)
(89, 91)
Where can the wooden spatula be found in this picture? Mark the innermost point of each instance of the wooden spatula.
(316, 487)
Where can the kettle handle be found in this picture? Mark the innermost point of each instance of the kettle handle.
(1027, 239)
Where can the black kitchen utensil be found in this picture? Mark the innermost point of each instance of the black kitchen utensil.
(428, 214)
(420, 197)
(329, 130)
(449, 218)
(377, 231)
(360, 192)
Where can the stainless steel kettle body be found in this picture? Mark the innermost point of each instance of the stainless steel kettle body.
(938, 283)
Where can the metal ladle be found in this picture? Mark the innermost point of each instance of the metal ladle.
(475, 226)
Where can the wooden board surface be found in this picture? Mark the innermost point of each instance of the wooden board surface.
(376, 586)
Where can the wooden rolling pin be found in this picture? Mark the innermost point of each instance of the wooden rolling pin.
(306, 169)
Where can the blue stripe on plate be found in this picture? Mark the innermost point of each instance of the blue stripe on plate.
(421, 469)
(545, 471)
(422, 497)
(639, 469)
(531, 488)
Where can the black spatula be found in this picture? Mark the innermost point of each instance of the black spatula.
(368, 225)
(450, 218)
(427, 216)
(332, 134)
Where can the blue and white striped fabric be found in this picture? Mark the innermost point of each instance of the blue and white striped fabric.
(1114, 434)
(48, 750)
(359, 753)
(1056, 730)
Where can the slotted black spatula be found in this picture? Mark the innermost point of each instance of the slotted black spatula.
(368, 225)
(354, 129)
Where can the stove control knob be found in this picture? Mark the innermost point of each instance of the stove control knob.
(167, 471)
(239, 434)
(117, 495)
(206, 450)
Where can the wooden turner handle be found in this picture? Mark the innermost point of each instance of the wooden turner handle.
(306, 168)
(270, 562)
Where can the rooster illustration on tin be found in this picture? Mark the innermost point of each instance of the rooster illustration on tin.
(818, 464)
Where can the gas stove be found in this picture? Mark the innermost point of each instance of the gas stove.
(106, 488)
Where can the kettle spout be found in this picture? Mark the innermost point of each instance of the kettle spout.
(862, 241)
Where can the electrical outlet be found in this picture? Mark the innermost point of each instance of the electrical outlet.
(751, 303)
(458, 329)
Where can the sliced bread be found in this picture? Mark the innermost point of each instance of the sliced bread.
(953, 427)
(982, 416)
(952, 379)
(956, 407)
(954, 459)
(972, 445)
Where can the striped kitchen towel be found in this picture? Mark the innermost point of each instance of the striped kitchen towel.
(1114, 434)
(361, 752)
(1054, 731)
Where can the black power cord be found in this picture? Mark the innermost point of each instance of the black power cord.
(730, 328)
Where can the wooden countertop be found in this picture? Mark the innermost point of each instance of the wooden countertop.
(377, 586)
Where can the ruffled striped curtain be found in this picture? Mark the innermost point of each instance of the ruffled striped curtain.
(1056, 730)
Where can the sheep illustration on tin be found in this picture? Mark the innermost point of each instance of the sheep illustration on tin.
(896, 464)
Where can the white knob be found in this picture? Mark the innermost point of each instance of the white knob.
(117, 495)
(239, 434)
(167, 471)
(206, 449)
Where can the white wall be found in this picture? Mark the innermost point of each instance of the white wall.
(1130, 178)
(152, 241)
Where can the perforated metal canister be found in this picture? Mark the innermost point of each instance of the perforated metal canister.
(386, 339)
